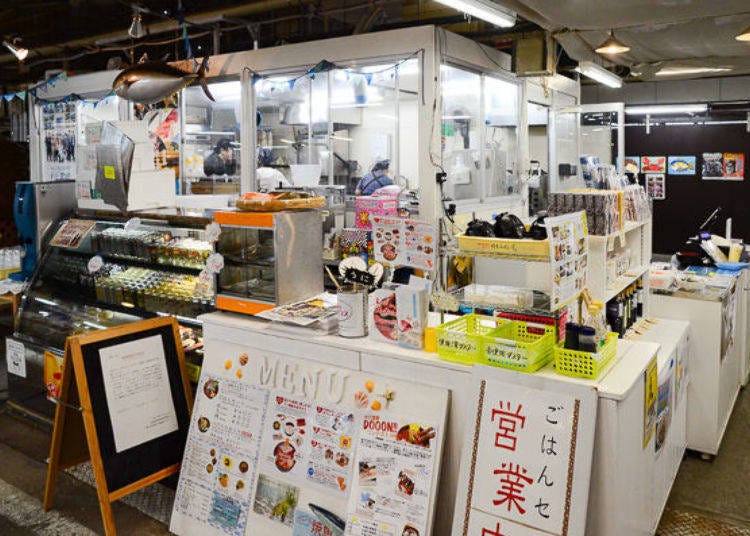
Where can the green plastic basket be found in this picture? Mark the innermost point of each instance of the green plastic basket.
(462, 340)
(584, 364)
(518, 345)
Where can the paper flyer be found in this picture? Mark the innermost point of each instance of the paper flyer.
(568, 242)
(734, 166)
(390, 493)
(72, 233)
(286, 437)
(633, 164)
(221, 455)
(713, 166)
(399, 242)
(59, 134)
(650, 398)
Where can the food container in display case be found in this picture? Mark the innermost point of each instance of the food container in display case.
(270, 259)
(147, 270)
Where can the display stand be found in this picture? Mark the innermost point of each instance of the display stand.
(88, 419)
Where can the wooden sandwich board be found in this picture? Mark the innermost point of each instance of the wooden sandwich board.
(114, 409)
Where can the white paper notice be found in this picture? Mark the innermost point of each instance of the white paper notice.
(15, 354)
(139, 397)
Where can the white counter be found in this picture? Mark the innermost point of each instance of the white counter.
(623, 493)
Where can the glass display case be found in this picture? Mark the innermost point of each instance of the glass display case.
(270, 259)
(147, 271)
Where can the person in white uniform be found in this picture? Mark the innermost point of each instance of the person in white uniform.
(269, 178)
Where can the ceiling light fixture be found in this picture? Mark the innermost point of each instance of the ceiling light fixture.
(663, 109)
(612, 45)
(485, 10)
(677, 71)
(599, 74)
(744, 35)
(136, 30)
(19, 52)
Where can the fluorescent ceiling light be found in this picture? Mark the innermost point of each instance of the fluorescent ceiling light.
(744, 35)
(599, 74)
(660, 109)
(677, 71)
(485, 10)
(612, 45)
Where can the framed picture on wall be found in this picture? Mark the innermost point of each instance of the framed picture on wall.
(713, 166)
(734, 166)
(633, 164)
(681, 165)
(653, 164)
(656, 186)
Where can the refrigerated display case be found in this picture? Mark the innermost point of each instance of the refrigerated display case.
(148, 270)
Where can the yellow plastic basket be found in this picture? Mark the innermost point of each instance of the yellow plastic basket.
(584, 364)
(462, 339)
(519, 346)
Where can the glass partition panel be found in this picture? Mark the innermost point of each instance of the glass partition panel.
(501, 137)
(461, 132)
(212, 145)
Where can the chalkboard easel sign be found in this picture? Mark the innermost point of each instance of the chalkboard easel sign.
(125, 404)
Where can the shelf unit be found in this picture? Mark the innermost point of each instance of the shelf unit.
(504, 269)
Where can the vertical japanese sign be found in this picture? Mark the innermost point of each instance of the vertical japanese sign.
(527, 461)
(568, 245)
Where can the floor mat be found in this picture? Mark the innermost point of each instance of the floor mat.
(155, 500)
(682, 523)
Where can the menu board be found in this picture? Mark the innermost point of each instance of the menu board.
(527, 458)
(568, 244)
(286, 446)
(400, 242)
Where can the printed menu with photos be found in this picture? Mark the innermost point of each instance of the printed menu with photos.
(395, 460)
(221, 456)
(281, 446)
(400, 242)
(568, 244)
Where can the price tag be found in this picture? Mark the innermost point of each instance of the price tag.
(132, 223)
(206, 277)
(15, 354)
(352, 275)
(215, 263)
(95, 264)
(213, 231)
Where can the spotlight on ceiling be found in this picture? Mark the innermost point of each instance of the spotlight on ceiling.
(136, 30)
(744, 35)
(485, 10)
(612, 45)
(599, 74)
(19, 52)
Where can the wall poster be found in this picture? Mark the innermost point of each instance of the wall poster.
(633, 164)
(568, 243)
(527, 467)
(656, 186)
(653, 164)
(724, 166)
(681, 165)
(285, 446)
(59, 134)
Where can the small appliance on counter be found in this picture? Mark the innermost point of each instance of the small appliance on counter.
(36, 207)
(270, 259)
(708, 250)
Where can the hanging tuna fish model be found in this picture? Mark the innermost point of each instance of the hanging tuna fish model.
(149, 82)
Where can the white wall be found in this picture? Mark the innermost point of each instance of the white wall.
(539, 146)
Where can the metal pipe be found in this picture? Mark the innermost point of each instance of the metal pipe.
(156, 28)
